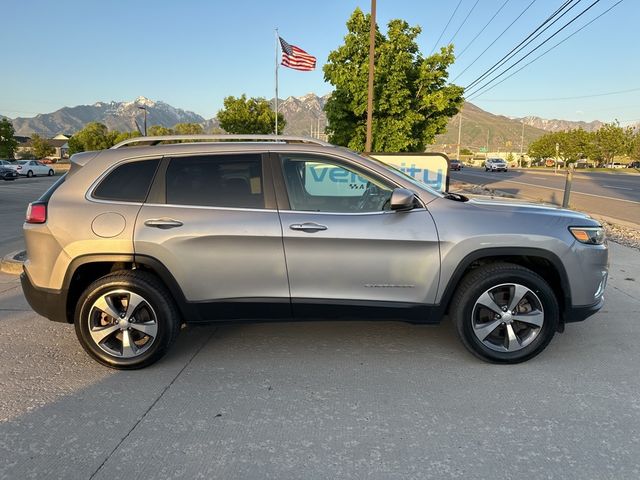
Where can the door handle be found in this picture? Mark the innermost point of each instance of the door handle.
(163, 223)
(308, 227)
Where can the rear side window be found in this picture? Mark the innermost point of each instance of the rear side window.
(233, 180)
(129, 182)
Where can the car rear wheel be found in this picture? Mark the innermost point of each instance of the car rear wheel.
(29, 174)
(126, 320)
(505, 313)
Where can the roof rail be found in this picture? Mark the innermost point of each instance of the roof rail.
(195, 138)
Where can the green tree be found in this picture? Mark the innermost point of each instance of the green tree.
(610, 140)
(412, 98)
(249, 115)
(634, 151)
(94, 136)
(40, 147)
(8, 142)
(543, 147)
(188, 129)
(159, 130)
(572, 145)
(121, 136)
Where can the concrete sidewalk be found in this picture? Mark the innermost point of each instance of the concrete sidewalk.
(377, 400)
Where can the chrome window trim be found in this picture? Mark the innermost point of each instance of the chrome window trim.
(208, 207)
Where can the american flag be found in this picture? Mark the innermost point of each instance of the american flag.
(296, 58)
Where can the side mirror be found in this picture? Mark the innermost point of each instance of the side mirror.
(402, 200)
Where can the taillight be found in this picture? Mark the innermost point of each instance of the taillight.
(36, 213)
(18, 167)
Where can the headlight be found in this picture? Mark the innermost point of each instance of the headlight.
(588, 235)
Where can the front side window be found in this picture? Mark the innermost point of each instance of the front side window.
(216, 181)
(129, 182)
(324, 185)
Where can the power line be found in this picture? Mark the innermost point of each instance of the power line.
(496, 39)
(488, 82)
(445, 28)
(483, 29)
(463, 22)
(524, 43)
(559, 98)
(481, 92)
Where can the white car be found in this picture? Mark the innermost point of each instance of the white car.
(495, 165)
(29, 168)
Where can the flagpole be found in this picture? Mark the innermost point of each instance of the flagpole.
(276, 57)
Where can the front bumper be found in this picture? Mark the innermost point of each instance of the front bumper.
(578, 314)
(51, 304)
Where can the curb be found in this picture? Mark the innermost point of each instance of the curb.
(12, 263)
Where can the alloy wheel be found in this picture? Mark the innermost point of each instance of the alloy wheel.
(122, 323)
(507, 317)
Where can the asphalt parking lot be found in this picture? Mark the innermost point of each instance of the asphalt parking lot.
(325, 400)
(14, 198)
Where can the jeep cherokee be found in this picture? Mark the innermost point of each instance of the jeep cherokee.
(137, 240)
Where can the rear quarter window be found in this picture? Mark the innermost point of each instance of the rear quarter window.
(129, 182)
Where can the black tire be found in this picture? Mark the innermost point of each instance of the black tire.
(158, 303)
(29, 174)
(498, 277)
(51, 172)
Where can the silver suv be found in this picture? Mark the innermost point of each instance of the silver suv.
(137, 240)
(495, 165)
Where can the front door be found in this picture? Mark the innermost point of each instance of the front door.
(211, 221)
(343, 244)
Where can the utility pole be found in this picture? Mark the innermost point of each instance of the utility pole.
(372, 50)
(557, 150)
(459, 133)
(486, 155)
(521, 145)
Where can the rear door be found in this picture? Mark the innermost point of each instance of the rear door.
(211, 220)
(344, 246)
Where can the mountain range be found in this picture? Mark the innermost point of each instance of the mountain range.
(305, 116)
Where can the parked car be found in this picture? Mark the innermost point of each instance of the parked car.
(6, 163)
(134, 242)
(7, 173)
(30, 168)
(634, 165)
(495, 165)
(455, 164)
(616, 165)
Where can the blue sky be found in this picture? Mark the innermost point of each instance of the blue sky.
(191, 54)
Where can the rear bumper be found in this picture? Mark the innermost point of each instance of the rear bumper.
(578, 314)
(48, 303)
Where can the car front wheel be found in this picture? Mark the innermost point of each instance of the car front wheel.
(126, 320)
(505, 313)
(50, 173)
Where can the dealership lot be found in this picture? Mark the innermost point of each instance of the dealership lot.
(320, 400)
(325, 400)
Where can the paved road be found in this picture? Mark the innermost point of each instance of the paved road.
(612, 195)
(325, 400)
(14, 198)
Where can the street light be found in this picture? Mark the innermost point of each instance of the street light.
(142, 107)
